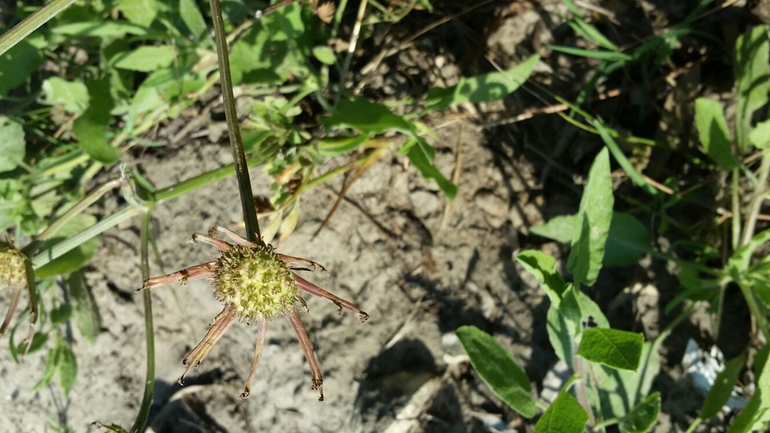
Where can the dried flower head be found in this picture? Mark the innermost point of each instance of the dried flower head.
(324, 11)
(255, 283)
(15, 274)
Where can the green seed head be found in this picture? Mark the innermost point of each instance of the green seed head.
(12, 269)
(255, 281)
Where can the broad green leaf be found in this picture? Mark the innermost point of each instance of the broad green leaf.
(324, 55)
(760, 358)
(366, 117)
(104, 29)
(72, 95)
(760, 135)
(569, 307)
(39, 341)
(560, 229)
(593, 222)
(145, 58)
(592, 54)
(77, 257)
(425, 166)
(627, 242)
(561, 331)
(564, 415)
(752, 71)
(487, 87)
(560, 336)
(643, 416)
(722, 388)
(142, 12)
(498, 369)
(273, 49)
(612, 347)
(67, 369)
(621, 158)
(17, 64)
(61, 314)
(543, 267)
(51, 363)
(91, 128)
(85, 314)
(12, 148)
(193, 19)
(713, 133)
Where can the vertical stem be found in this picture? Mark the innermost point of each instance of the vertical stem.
(149, 385)
(756, 199)
(736, 203)
(241, 168)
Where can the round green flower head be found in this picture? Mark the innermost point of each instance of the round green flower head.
(255, 281)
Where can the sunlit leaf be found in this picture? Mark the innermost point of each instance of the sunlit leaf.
(612, 347)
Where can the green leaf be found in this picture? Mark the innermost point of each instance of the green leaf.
(72, 95)
(621, 158)
(67, 369)
(756, 414)
(612, 347)
(335, 146)
(17, 64)
(739, 262)
(723, 386)
(324, 55)
(145, 58)
(483, 88)
(193, 19)
(587, 31)
(592, 54)
(12, 146)
(752, 70)
(366, 117)
(561, 330)
(50, 369)
(760, 135)
(85, 314)
(627, 242)
(713, 133)
(105, 29)
(142, 12)
(593, 222)
(643, 416)
(61, 314)
(543, 267)
(91, 128)
(498, 369)
(75, 258)
(558, 228)
(564, 415)
(424, 165)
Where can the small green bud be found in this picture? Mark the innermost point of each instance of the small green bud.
(255, 281)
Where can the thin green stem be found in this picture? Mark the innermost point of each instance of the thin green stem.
(756, 199)
(756, 310)
(736, 205)
(241, 167)
(32, 23)
(149, 385)
(694, 425)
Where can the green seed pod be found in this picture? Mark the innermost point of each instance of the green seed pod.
(255, 281)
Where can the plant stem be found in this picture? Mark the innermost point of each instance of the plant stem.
(756, 199)
(241, 167)
(149, 385)
(32, 23)
(736, 204)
